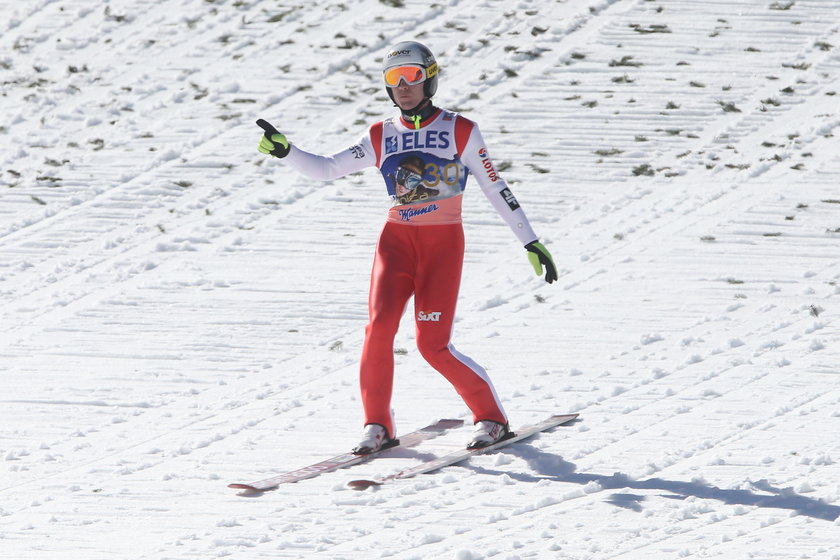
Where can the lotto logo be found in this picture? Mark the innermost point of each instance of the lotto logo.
(430, 316)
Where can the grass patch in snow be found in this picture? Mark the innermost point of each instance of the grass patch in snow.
(796, 66)
(728, 107)
(624, 61)
(608, 152)
(650, 29)
(643, 170)
(538, 169)
(782, 6)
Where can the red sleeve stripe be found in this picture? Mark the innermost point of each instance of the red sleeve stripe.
(376, 140)
(463, 129)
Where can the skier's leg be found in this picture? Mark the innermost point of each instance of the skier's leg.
(437, 284)
(390, 287)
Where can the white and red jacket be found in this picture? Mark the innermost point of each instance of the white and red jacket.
(425, 170)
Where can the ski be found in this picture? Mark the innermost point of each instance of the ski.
(346, 459)
(464, 454)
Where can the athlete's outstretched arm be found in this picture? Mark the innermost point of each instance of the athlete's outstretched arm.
(324, 168)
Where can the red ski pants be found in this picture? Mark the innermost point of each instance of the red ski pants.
(425, 261)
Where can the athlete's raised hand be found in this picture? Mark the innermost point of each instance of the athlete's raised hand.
(540, 257)
(272, 142)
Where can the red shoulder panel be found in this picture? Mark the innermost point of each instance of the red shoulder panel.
(463, 129)
(376, 140)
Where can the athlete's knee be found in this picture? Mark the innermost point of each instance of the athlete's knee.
(435, 352)
(382, 325)
(435, 358)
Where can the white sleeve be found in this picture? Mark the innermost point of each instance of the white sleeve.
(497, 191)
(325, 168)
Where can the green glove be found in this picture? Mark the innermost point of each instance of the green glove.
(540, 257)
(272, 142)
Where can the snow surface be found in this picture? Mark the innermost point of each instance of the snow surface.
(179, 312)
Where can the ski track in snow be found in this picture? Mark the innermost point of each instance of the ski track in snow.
(179, 312)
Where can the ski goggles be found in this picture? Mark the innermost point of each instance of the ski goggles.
(411, 75)
(409, 179)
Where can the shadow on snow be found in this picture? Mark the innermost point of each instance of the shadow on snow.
(552, 467)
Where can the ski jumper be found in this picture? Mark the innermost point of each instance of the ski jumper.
(421, 248)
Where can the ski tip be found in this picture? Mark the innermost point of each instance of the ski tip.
(362, 484)
(246, 488)
(564, 418)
